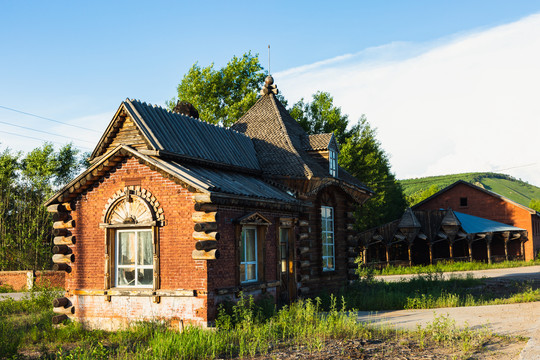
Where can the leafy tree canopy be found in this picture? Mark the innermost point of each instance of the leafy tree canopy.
(535, 204)
(361, 155)
(222, 96)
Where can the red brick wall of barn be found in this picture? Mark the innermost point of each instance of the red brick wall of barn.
(486, 206)
(177, 268)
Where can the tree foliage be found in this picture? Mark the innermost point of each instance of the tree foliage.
(26, 181)
(361, 155)
(421, 195)
(535, 204)
(222, 96)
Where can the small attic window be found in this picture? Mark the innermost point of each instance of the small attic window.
(332, 162)
(463, 201)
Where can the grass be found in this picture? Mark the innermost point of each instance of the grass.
(431, 290)
(243, 331)
(450, 266)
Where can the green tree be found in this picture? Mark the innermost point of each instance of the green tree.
(26, 182)
(222, 96)
(361, 155)
(535, 204)
(321, 116)
(421, 195)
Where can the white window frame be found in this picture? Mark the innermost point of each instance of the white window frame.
(332, 162)
(324, 235)
(256, 261)
(136, 266)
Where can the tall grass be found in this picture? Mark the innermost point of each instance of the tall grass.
(451, 266)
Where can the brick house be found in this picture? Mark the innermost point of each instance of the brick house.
(474, 200)
(176, 215)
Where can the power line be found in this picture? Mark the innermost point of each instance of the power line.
(44, 132)
(48, 119)
(35, 138)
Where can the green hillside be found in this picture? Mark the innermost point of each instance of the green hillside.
(519, 191)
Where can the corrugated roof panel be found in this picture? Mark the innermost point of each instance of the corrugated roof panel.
(473, 224)
(185, 135)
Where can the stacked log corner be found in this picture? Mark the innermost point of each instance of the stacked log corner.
(205, 218)
(303, 257)
(352, 248)
(64, 308)
(63, 238)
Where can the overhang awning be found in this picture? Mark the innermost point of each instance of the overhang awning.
(474, 224)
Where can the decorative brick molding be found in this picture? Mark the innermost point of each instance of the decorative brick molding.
(144, 197)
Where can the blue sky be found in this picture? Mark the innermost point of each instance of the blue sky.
(76, 62)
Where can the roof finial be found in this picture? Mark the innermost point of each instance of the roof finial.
(269, 72)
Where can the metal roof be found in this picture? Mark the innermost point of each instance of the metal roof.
(184, 135)
(473, 224)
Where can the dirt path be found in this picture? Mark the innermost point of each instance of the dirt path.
(514, 319)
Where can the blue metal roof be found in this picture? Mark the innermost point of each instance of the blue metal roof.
(474, 224)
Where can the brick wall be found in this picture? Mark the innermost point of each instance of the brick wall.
(20, 280)
(177, 269)
(486, 206)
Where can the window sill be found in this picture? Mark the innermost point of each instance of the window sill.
(248, 287)
(137, 292)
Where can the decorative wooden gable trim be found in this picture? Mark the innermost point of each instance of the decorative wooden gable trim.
(133, 206)
(253, 219)
(122, 130)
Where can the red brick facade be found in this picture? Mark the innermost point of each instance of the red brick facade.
(468, 199)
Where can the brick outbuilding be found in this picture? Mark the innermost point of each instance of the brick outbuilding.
(176, 215)
(477, 201)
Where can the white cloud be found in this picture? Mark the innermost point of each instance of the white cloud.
(469, 103)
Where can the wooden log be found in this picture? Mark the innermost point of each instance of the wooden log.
(61, 302)
(351, 260)
(205, 226)
(63, 259)
(59, 318)
(350, 227)
(352, 265)
(206, 245)
(205, 207)
(302, 278)
(56, 208)
(64, 224)
(201, 216)
(303, 236)
(302, 250)
(61, 216)
(304, 223)
(62, 267)
(202, 198)
(350, 214)
(352, 272)
(200, 235)
(61, 249)
(63, 310)
(304, 264)
(205, 255)
(61, 232)
(303, 290)
(65, 240)
(69, 206)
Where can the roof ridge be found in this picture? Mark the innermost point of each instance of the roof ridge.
(288, 137)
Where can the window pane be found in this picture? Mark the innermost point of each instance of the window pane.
(330, 263)
(126, 277)
(250, 245)
(284, 235)
(144, 277)
(126, 248)
(251, 273)
(145, 248)
(283, 266)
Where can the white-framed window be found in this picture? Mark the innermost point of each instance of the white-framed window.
(134, 258)
(333, 163)
(248, 255)
(327, 232)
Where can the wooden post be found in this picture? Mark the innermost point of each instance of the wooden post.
(523, 249)
(489, 236)
(469, 243)
(364, 255)
(451, 249)
(430, 254)
(409, 251)
(387, 255)
(506, 249)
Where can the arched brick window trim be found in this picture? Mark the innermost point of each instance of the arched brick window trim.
(144, 197)
(131, 207)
